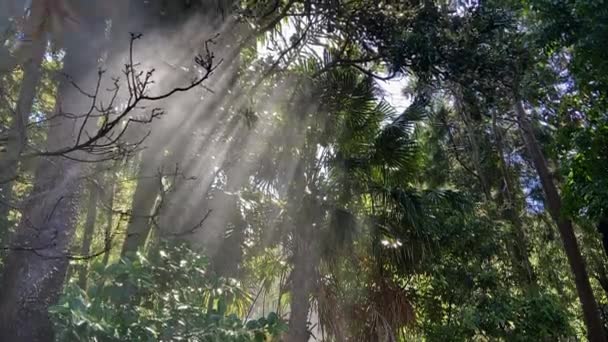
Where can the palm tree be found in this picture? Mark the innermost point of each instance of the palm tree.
(343, 164)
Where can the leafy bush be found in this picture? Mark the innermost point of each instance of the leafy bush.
(527, 317)
(168, 297)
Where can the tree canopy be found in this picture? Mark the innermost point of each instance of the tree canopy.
(303, 170)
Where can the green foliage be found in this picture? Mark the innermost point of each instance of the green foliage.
(500, 316)
(465, 290)
(405, 217)
(587, 165)
(167, 297)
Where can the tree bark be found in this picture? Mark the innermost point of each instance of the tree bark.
(109, 216)
(306, 258)
(520, 248)
(591, 314)
(466, 105)
(239, 166)
(306, 255)
(143, 206)
(36, 266)
(17, 140)
(301, 288)
(9, 9)
(89, 230)
(34, 30)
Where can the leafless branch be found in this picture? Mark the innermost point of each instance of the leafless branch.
(44, 250)
(194, 228)
(105, 141)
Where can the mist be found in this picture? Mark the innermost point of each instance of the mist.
(198, 170)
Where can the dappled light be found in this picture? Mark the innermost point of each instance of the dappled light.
(303, 170)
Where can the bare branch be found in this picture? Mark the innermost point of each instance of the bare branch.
(106, 142)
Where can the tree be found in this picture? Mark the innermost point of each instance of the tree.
(595, 329)
(35, 267)
(288, 183)
(16, 135)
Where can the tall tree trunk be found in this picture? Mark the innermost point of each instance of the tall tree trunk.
(9, 9)
(239, 167)
(301, 287)
(518, 248)
(306, 258)
(36, 265)
(306, 255)
(144, 201)
(178, 205)
(17, 140)
(17, 136)
(176, 211)
(467, 108)
(111, 185)
(152, 158)
(591, 314)
(35, 269)
(226, 261)
(34, 31)
(89, 231)
(510, 213)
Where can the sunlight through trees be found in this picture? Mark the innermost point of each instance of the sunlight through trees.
(303, 170)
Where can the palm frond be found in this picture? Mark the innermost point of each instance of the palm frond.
(341, 231)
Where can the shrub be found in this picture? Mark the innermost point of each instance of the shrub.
(167, 297)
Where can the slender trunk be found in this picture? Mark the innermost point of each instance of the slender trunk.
(239, 167)
(89, 230)
(591, 314)
(143, 206)
(475, 144)
(36, 266)
(306, 259)
(117, 11)
(306, 256)
(147, 189)
(301, 288)
(35, 28)
(602, 278)
(111, 184)
(8, 10)
(476, 156)
(303, 277)
(9, 160)
(178, 204)
(225, 262)
(520, 248)
(175, 211)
